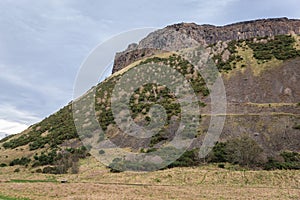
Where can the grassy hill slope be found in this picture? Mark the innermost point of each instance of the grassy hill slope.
(266, 119)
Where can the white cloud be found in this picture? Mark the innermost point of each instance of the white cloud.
(33, 81)
(11, 113)
(8, 127)
(210, 12)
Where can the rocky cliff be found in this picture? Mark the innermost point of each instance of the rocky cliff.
(183, 35)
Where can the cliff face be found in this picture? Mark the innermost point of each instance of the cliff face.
(125, 58)
(184, 35)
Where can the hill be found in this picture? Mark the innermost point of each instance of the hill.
(260, 70)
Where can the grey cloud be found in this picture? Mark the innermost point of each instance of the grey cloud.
(43, 43)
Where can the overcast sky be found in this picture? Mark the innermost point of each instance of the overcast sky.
(43, 43)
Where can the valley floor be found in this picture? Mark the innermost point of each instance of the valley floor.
(207, 182)
(112, 191)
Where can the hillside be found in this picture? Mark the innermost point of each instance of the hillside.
(260, 75)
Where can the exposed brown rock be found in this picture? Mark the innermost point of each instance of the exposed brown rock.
(130, 55)
(183, 35)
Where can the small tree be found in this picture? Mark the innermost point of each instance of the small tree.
(218, 153)
(243, 150)
(75, 167)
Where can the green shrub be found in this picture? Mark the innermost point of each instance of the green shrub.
(17, 170)
(161, 136)
(290, 156)
(232, 60)
(62, 161)
(59, 125)
(20, 141)
(6, 138)
(218, 153)
(296, 127)
(280, 48)
(3, 197)
(101, 151)
(50, 170)
(39, 171)
(187, 159)
(243, 151)
(221, 165)
(38, 143)
(116, 166)
(291, 161)
(45, 158)
(3, 165)
(22, 161)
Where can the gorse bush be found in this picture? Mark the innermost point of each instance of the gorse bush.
(290, 156)
(20, 161)
(6, 138)
(291, 160)
(3, 165)
(187, 159)
(242, 150)
(218, 153)
(264, 49)
(61, 161)
(281, 48)
(230, 63)
(245, 152)
(45, 158)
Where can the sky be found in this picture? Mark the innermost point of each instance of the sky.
(44, 43)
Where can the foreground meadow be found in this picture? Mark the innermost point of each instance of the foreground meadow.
(96, 182)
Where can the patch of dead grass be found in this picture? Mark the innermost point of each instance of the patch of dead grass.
(207, 182)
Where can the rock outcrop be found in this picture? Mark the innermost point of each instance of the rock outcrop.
(183, 35)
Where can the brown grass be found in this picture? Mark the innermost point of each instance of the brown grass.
(297, 43)
(209, 182)
(249, 61)
(125, 69)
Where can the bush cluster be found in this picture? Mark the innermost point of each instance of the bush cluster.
(20, 161)
(291, 160)
(243, 151)
(232, 60)
(187, 159)
(280, 48)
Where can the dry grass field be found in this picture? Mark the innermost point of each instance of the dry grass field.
(96, 182)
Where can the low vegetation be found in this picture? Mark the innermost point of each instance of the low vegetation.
(3, 197)
(287, 160)
(22, 161)
(230, 63)
(297, 127)
(242, 151)
(281, 47)
(33, 181)
(45, 140)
